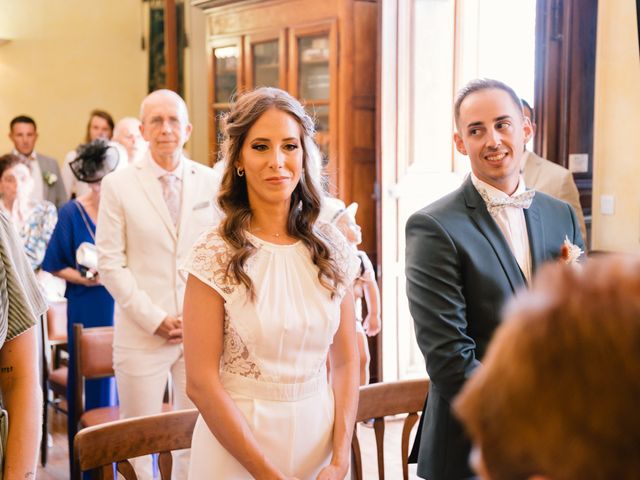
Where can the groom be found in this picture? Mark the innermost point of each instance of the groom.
(467, 253)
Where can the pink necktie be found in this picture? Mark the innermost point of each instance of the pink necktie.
(171, 193)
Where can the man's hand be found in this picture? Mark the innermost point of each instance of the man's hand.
(171, 329)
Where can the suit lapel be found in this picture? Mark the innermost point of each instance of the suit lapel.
(489, 228)
(188, 194)
(45, 186)
(535, 233)
(152, 189)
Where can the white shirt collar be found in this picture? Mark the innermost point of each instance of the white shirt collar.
(31, 157)
(159, 172)
(493, 192)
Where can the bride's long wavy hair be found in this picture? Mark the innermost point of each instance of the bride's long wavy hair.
(306, 198)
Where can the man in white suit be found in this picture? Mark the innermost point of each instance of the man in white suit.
(549, 177)
(47, 181)
(151, 212)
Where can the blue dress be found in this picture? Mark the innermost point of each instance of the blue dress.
(90, 306)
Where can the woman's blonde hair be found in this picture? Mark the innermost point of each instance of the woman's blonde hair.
(305, 199)
(558, 391)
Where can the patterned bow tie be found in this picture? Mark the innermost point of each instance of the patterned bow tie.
(494, 205)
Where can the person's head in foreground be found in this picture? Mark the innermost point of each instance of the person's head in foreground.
(558, 394)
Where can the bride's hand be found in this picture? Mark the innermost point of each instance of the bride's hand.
(331, 472)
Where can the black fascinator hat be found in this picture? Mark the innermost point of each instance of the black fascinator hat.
(94, 160)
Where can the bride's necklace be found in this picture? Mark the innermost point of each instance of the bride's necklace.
(257, 230)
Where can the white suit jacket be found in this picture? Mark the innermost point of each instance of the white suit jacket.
(555, 180)
(139, 249)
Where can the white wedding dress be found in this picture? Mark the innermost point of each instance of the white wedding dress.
(275, 349)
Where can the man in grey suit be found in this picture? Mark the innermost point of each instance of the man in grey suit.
(47, 182)
(467, 253)
(549, 177)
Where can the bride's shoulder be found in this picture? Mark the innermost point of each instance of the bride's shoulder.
(209, 260)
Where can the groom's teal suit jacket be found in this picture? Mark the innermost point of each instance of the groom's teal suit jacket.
(460, 271)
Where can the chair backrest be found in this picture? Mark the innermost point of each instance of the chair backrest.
(383, 399)
(57, 322)
(100, 446)
(94, 358)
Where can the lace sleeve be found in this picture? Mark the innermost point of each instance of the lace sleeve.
(208, 261)
(344, 254)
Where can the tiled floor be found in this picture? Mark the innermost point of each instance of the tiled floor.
(57, 468)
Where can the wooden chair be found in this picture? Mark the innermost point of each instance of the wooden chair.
(383, 399)
(94, 359)
(100, 446)
(57, 334)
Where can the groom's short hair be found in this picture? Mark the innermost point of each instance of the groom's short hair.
(480, 84)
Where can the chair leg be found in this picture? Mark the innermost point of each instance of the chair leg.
(44, 441)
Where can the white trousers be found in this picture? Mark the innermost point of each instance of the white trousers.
(142, 377)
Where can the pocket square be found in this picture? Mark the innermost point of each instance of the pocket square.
(201, 205)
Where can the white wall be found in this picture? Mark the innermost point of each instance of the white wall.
(65, 58)
(617, 119)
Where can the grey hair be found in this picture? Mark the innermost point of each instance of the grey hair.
(182, 106)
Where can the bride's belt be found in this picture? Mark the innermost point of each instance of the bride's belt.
(283, 392)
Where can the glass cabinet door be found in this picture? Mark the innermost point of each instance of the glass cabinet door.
(225, 72)
(225, 81)
(313, 67)
(265, 59)
(266, 64)
(313, 79)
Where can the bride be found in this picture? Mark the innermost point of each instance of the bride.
(267, 300)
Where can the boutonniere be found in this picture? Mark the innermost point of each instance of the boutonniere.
(570, 253)
(49, 178)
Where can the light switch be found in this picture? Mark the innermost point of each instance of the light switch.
(607, 204)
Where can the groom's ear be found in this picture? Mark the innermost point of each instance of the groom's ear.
(457, 139)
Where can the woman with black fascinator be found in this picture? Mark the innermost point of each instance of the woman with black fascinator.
(71, 255)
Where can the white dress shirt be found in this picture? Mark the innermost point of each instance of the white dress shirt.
(37, 194)
(512, 224)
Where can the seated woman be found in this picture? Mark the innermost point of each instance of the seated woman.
(557, 395)
(34, 221)
(88, 302)
(20, 305)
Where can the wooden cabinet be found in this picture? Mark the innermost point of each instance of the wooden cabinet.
(322, 52)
